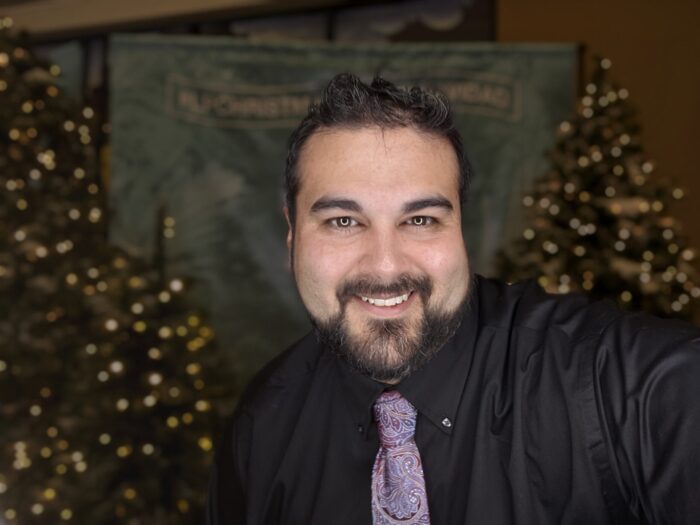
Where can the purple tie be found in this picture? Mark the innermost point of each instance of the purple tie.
(398, 484)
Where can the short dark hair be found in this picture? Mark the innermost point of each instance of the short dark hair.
(347, 102)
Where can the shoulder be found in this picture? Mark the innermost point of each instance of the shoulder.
(289, 371)
(525, 306)
(578, 317)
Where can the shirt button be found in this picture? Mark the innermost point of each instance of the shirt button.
(446, 423)
(360, 429)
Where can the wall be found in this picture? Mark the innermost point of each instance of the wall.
(655, 50)
(65, 18)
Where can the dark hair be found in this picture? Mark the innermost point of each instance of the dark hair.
(348, 102)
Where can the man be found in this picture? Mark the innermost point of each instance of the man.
(426, 394)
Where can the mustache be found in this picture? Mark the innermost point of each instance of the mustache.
(369, 286)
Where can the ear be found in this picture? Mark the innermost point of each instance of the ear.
(290, 234)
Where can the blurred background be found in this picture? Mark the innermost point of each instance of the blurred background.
(143, 268)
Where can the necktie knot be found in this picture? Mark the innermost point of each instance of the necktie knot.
(396, 419)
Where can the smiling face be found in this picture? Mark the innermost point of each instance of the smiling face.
(377, 248)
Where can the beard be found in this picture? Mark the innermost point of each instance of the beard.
(389, 350)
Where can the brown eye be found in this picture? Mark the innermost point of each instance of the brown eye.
(421, 220)
(343, 222)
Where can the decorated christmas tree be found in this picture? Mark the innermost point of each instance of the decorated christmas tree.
(107, 380)
(600, 219)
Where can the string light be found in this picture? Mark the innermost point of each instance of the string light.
(205, 443)
(202, 406)
(137, 308)
(193, 368)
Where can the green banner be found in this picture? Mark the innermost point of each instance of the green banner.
(200, 125)
(69, 57)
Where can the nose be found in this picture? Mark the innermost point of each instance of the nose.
(384, 254)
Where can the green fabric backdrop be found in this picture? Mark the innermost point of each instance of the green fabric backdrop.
(200, 125)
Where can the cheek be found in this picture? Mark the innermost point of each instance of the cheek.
(448, 267)
(443, 259)
(319, 268)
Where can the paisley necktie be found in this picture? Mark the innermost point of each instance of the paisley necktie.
(398, 483)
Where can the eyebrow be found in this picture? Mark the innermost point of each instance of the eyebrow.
(430, 202)
(325, 203)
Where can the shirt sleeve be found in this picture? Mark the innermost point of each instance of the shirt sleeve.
(226, 503)
(647, 383)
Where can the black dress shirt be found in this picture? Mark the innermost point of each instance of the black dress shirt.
(540, 410)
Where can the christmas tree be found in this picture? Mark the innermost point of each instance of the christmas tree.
(599, 220)
(107, 380)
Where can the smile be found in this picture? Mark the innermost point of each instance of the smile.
(389, 301)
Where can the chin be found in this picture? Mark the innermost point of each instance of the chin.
(389, 350)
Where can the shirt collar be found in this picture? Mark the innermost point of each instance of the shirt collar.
(360, 392)
(435, 390)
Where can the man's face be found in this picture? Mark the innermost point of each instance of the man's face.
(377, 248)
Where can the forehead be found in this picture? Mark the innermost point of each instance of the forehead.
(374, 162)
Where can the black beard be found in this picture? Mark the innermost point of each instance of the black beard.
(389, 353)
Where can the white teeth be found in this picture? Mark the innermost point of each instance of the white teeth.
(391, 301)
